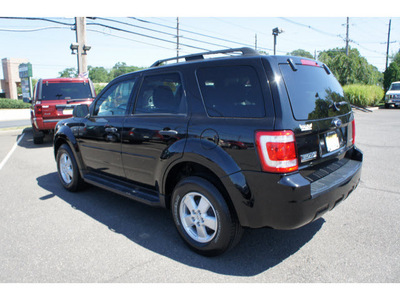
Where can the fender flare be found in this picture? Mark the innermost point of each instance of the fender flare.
(64, 135)
(222, 165)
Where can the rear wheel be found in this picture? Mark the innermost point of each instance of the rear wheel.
(68, 169)
(203, 218)
(37, 136)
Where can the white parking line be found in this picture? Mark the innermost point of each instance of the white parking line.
(11, 152)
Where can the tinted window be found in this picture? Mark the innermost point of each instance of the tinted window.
(65, 90)
(231, 91)
(115, 99)
(312, 92)
(395, 87)
(161, 94)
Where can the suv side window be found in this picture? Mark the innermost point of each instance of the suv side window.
(115, 100)
(231, 91)
(161, 94)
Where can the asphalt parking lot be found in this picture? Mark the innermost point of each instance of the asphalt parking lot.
(50, 235)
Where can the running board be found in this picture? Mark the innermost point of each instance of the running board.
(136, 193)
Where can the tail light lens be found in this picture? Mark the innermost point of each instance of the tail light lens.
(38, 110)
(353, 127)
(277, 151)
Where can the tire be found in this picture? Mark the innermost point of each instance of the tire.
(37, 136)
(202, 217)
(68, 169)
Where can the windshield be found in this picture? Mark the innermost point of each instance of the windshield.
(65, 90)
(395, 87)
(313, 93)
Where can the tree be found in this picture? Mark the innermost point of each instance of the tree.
(121, 68)
(352, 68)
(69, 72)
(99, 74)
(301, 53)
(392, 73)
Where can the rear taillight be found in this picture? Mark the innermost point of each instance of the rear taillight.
(38, 110)
(277, 151)
(353, 128)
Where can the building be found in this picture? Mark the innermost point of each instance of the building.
(11, 76)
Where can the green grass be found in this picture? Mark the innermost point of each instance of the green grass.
(363, 95)
(13, 104)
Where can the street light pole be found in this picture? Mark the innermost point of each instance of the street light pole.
(275, 32)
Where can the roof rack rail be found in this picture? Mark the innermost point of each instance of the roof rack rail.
(246, 51)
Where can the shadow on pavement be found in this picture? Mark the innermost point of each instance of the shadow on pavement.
(27, 141)
(153, 228)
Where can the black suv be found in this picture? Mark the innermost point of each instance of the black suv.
(243, 140)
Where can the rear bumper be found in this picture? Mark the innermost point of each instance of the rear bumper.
(47, 124)
(291, 201)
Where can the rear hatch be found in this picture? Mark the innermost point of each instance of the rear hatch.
(323, 120)
(58, 99)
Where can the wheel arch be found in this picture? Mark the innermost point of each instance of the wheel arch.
(65, 136)
(214, 175)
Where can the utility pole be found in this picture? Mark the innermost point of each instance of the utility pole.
(255, 42)
(80, 46)
(347, 37)
(177, 39)
(388, 42)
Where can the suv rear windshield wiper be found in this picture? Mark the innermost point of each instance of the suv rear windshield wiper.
(336, 105)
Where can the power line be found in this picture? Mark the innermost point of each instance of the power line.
(33, 29)
(162, 32)
(365, 48)
(38, 19)
(145, 35)
(200, 34)
(310, 27)
(129, 24)
(125, 38)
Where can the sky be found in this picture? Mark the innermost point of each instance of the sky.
(210, 25)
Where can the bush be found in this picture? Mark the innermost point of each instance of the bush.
(363, 95)
(12, 103)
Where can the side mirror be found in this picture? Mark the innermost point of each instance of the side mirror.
(80, 111)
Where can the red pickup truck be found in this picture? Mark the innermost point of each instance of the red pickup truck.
(54, 100)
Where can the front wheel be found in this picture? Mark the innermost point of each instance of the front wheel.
(68, 169)
(202, 217)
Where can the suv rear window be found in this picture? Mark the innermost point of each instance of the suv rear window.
(231, 91)
(65, 90)
(311, 92)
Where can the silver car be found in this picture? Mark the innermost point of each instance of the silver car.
(392, 97)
